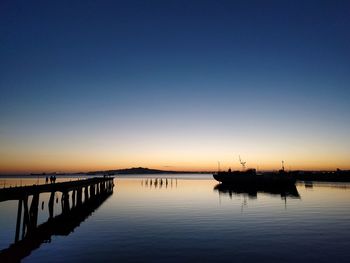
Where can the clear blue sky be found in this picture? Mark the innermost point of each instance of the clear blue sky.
(182, 84)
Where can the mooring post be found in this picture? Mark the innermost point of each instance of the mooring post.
(92, 190)
(86, 193)
(110, 184)
(73, 198)
(19, 216)
(33, 212)
(79, 195)
(65, 202)
(25, 216)
(51, 203)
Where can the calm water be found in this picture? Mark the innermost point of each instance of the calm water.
(186, 217)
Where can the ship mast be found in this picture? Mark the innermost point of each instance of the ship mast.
(242, 163)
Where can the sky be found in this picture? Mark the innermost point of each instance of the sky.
(175, 85)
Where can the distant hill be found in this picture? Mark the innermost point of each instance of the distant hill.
(137, 170)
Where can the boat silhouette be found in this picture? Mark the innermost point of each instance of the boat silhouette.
(250, 177)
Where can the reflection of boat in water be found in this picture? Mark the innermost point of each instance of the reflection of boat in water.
(252, 190)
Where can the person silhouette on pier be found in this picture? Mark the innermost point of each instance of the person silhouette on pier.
(52, 179)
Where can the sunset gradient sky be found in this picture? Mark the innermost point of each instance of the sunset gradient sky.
(175, 85)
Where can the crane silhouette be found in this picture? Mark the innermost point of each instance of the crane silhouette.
(242, 163)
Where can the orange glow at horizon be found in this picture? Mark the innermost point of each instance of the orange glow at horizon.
(169, 149)
(94, 163)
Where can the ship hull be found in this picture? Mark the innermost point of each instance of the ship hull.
(273, 179)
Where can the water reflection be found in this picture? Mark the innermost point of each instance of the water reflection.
(193, 221)
(309, 184)
(312, 184)
(73, 214)
(253, 190)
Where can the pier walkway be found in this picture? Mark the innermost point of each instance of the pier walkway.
(17, 193)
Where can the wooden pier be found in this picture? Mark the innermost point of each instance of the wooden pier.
(82, 192)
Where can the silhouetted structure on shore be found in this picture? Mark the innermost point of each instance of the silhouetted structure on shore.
(326, 176)
(96, 191)
(141, 171)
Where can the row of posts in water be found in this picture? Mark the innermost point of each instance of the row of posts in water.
(159, 182)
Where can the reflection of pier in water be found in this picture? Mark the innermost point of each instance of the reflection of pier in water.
(253, 190)
(87, 196)
(159, 182)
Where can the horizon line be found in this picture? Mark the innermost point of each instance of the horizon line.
(28, 173)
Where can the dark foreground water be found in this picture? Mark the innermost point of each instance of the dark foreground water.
(188, 218)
